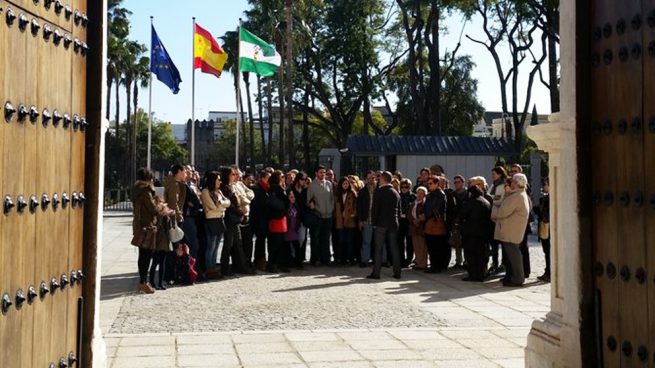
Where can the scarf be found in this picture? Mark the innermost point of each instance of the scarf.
(264, 185)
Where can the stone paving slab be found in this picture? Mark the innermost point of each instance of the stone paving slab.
(318, 317)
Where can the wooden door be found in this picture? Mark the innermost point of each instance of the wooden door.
(42, 142)
(623, 123)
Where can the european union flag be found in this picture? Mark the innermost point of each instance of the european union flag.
(162, 65)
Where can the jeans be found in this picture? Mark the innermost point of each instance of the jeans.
(212, 248)
(405, 242)
(367, 237)
(302, 240)
(297, 257)
(325, 230)
(191, 235)
(320, 235)
(158, 259)
(545, 245)
(386, 238)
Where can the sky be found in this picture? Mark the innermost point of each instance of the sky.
(173, 22)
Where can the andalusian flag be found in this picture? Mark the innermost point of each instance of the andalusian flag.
(207, 54)
(257, 56)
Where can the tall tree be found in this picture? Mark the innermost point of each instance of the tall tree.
(460, 107)
(419, 21)
(336, 57)
(549, 25)
(132, 69)
(141, 79)
(513, 23)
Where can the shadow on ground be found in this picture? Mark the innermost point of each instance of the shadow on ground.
(118, 285)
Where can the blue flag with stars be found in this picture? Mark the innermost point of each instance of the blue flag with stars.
(162, 65)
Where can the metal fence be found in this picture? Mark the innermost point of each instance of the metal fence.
(117, 200)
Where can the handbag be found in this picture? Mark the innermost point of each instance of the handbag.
(215, 226)
(435, 225)
(455, 240)
(175, 233)
(145, 237)
(544, 230)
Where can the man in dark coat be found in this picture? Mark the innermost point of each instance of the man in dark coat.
(384, 215)
(475, 222)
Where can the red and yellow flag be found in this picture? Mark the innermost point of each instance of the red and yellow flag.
(207, 54)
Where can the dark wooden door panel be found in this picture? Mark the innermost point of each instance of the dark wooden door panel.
(649, 167)
(620, 95)
(603, 118)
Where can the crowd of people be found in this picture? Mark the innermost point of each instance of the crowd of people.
(385, 220)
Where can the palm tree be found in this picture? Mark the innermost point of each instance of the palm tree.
(118, 31)
(134, 51)
(113, 72)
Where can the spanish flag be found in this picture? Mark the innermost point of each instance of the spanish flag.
(207, 54)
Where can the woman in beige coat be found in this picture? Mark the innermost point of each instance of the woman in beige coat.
(511, 217)
(214, 205)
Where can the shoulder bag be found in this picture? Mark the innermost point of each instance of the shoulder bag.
(435, 225)
(544, 230)
(145, 237)
(175, 233)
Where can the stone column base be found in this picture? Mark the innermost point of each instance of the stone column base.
(544, 342)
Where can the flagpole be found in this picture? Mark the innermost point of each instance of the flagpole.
(238, 80)
(150, 107)
(193, 96)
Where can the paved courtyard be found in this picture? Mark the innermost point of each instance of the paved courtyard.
(317, 317)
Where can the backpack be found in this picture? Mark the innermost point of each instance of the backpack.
(185, 267)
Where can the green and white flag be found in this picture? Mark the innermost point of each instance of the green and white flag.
(256, 55)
